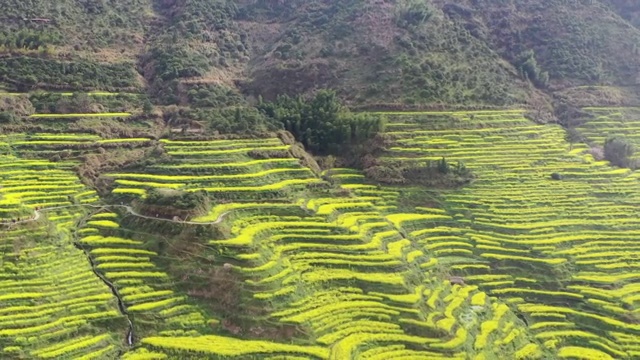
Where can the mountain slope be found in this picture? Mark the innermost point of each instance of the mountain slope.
(69, 44)
(368, 51)
(375, 53)
(577, 43)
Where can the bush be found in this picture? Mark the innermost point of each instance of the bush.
(7, 117)
(413, 13)
(618, 151)
(529, 69)
(385, 174)
(229, 120)
(177, 199)
(178, 62)
(440, 174)
(597, 152)
(27, 73)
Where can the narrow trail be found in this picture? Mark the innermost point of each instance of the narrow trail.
(129, 209)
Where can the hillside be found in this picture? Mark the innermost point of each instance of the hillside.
(374, 53)
(319, 180)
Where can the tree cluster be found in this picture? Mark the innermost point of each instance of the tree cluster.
(529, 69)
(322, 124)
(176, 199)
(52, 102)
(26, 73)
(178, 62)
(228, 120)
(441, 173)
(28, 39)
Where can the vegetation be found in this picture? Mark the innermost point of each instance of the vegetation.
(614, 130)
(322, 125)
(338, 259)
(175, 202)
(157, 199)
(25, 73)
(529, 69)
(618, 151)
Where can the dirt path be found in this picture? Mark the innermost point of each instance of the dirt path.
(129, 209)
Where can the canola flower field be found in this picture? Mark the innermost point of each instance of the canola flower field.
(562, 253)
(611, 122)
(52, 306)
(336, 267)
(550, 268)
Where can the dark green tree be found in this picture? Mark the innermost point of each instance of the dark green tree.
(618, 151)
(147, 106)
(443, 166)
(572, 136)
(529, 68)
(322, 124)
(8, 118)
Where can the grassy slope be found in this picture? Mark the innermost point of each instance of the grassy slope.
(627, 9)
(87, 25)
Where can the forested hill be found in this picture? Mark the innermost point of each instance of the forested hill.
(402, 53)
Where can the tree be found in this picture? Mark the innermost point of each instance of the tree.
(618, 151)
(322, 124)
(529, 68)
(147, 107)
(7, 117)
(572, 136)
(443, 166)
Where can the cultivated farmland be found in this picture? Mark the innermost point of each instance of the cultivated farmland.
(288, 262)
(611, 122)
(563, 253)
(333, 269)
(52, 305)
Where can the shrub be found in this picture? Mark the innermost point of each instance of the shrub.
(529, 68)
(597, 152)
(385, 174)
(413, 13)
(8, 118)
(618, 151)
(176, 199)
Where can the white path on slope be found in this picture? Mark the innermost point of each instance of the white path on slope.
(129, 209)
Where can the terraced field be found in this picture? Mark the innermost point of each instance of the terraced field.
(52, 306)
(324, 271)
(611, 122)
(30, 183)
(145, 289)
(335, 271)
(562, 253)
(223, 168)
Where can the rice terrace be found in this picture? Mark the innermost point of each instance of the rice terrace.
(338, 180)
